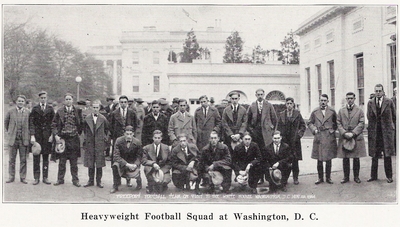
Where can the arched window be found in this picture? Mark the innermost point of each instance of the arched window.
(275, 95)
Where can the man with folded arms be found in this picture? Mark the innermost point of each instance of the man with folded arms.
(127, 157)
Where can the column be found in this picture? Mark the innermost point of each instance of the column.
(115, 77)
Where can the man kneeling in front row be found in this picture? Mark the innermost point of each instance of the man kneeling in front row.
(127, 158)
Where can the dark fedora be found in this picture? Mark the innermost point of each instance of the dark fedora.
(276, 176)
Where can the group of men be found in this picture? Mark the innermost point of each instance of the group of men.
(203, 149)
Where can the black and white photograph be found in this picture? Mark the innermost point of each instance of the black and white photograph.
(189, 111)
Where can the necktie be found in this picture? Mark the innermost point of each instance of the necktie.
(379, 102)
(246, 148)
(128, 144)
(260, 106)
(205, 112)
(42, 107)
(95, 115)
(277, 149)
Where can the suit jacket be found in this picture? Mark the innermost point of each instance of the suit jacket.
(241, 158)
(178, 124)
(284, 156)
(388, 123)
(180, 161)
(58, 121)
(117, 122)
(150, 157)
(206, 124)
(123, 154)
(95, 141)
(324, 144)
(230, 127)
(220, 158)
(269, 120)
(40, 124)
(10, 123)
(150, 124)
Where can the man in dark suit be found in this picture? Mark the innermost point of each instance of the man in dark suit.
(184, 160)
(381, 114)
(234, 121)
(40, 121)
(96, 129)
(155, 121)
(16, 123)
(67, 125)
(278, 155)
(215, 156)
(156, 156)
(246, 161)
(207, 120)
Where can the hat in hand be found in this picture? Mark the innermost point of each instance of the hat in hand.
(60, 147)
(216, 177)
(349, 145)
(36, 148)
(132, 173)
(158, 176)
(276, 176)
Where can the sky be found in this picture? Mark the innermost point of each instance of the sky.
(91, 25)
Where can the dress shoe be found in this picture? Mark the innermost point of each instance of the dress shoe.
(344, 180)
(296, 181)
(357, 180)
(261, 181)
(254, 191)
(284, 189)
(319, 181)
(372, 179)
(198, 192)
(58, 183)
(114, 190)
(24, 181)
(164, 187)
(36, 182)
(389, 180)
(76, 184)
(100, 185)
(46, 181)
(128, 183)
(329, 181)
(88, 184)
(148, 191)
(138, 187)
(10, 180)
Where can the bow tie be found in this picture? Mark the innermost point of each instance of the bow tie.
(95, 115)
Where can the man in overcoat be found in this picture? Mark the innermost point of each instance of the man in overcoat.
(128, 154)
(140, 114)
(155, 121)
(381, 114)
(156, 156)
(207, 120)
(292, 127)
(182, 122)
(323, 124)
(67, 125)
(16, 124)
(351, 123)
(96, 129)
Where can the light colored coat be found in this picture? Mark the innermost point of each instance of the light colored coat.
(355, 123)
(179, 124)
(205, 125)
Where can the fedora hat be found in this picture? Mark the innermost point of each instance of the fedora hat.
(243, 179)
(276, 176)
(349, 145)
(60, 147)
(216, 177)
(36, 148)
(158, 176)
(132, 173)
(139, 100)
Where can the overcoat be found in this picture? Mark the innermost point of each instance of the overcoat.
(123, 155)
(269, 120)
(220, 158)
(118, 125)
(324, 143)
(140, 118)
(40, 125)
(179, 124)
(179, 160)
(150, 124)
(206, 124)
(229, 127)
(150, 157)
(292, 130)
(10, 123)
(388, 122)
(355, 123)
(95, 141)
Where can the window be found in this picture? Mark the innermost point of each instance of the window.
(308, 88)
(306, 47)
(317, 42)
(135, 57)
(156, 57)
(135, 83)
(393, 65)
(319, 77)
(331, 67)
(156, 84)
(360, 77)
(330, 36)
(358, 25)
(194, 101)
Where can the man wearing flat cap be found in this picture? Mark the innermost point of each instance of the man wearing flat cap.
(175, 105)
(165, 108)
(40, 121)
(156, 157)
(127, 157)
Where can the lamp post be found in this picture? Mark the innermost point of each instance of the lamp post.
(78, 80)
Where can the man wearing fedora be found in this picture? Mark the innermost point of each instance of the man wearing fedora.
(16, 124)
(40, 121)
(182, 122)
(381, 114)
(156, 157)
(184, 161)
(215, 156)
(351, 124)
(96, 129)
(155, 121)
(67, 125)
(277, 155)
(127, 157)
(323, 125)
(246, 161)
